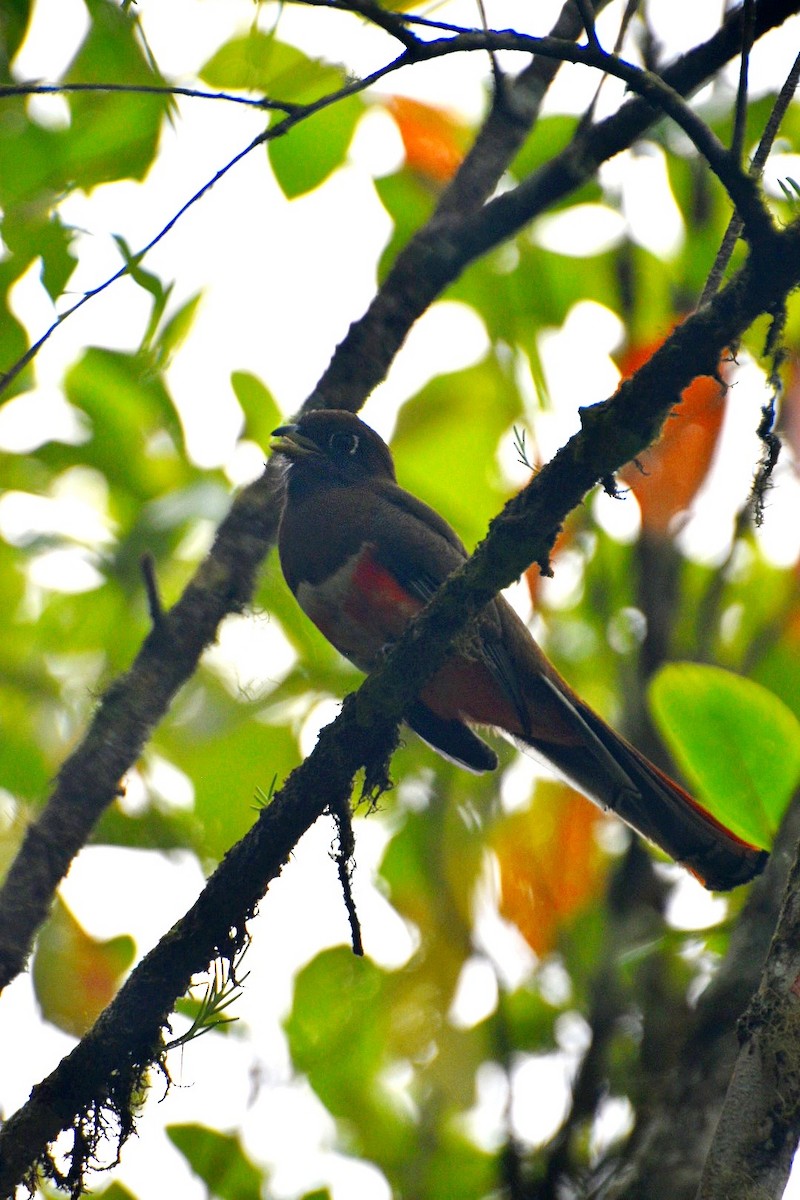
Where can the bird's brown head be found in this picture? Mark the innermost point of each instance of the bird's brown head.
(332, 445)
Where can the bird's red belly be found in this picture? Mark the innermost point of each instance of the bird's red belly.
(362, 608)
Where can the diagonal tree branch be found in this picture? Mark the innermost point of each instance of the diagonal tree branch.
(105, 1069)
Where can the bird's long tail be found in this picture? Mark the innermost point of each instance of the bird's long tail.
(620, 778)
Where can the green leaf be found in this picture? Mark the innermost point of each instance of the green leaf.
(445, 441)
(113, 135)
(171, 336)
(249, 63)
(29, 160)
(260, 62)
(261, 413)
(228, 753)
(24, 770)
(219, 1160)
(344, 1055)
(148, 830)
(551, 135)
(148, 282)
(14, 18)
(409, 203)
(310, 152)
(13, 337)
(127, 404)
(307, 154)
(58, 263)
(738, 744)
(329, 996)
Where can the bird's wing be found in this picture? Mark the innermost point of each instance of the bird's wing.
(421, 551)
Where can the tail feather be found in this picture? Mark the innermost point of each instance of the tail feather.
(651, 803)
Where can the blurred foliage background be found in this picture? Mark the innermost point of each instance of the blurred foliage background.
(534, 927)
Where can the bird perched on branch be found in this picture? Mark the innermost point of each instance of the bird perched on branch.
(362, 556)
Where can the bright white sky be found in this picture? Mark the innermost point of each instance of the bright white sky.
(271, 272)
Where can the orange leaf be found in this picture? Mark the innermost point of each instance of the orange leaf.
(433, 139)
(74, 975)
(550, 863)
(675, 467)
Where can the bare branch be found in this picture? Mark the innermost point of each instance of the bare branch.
(653, 89)
(440, 251)
(514, 112)
(90, 778)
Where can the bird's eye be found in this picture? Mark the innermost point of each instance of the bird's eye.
(343, 443)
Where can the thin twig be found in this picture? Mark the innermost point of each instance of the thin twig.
(154, 605)
(344, 859)
(393, 23)
(11, 374)
(765, 145)
(740, 118)
(627, 16)
(143, 89)
(368, 10)
(587, 14)
(497, 74)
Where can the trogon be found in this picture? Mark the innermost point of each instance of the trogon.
(362, 556)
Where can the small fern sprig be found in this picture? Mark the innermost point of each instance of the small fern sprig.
(219, 994)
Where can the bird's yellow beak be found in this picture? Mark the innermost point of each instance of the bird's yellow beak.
(288, 440)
